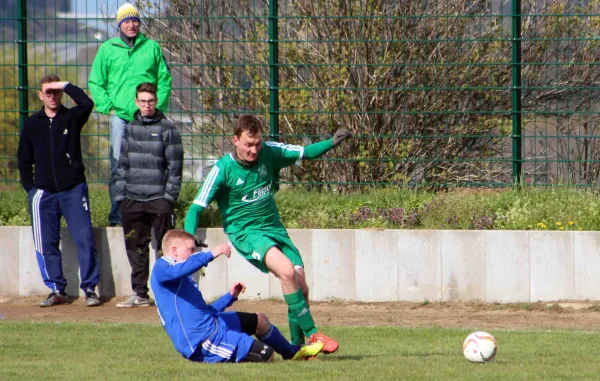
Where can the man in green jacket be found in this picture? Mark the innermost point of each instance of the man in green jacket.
(120, 65)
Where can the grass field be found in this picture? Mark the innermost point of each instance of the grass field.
(83, 351)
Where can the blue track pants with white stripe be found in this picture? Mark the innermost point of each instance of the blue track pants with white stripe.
(46, 210)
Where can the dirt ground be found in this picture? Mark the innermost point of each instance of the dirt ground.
(564, 315)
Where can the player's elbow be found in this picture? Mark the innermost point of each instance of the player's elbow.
(87, 106)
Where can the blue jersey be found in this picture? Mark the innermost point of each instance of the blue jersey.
(184, 314)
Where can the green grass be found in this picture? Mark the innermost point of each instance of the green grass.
(83, 351)
(559, 208)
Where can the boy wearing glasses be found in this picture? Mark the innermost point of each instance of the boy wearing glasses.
(148, 184)
(53, 175)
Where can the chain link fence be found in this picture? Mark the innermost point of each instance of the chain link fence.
(437, 93)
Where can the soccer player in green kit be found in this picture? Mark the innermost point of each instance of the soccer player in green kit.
(242, 185)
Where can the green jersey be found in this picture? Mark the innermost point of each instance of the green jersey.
(245, 194)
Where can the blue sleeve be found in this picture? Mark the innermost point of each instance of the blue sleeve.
(223, 302)
(167, 270)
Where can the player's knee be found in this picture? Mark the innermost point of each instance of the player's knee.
(287, 275)
(263, 324)
(272, 356)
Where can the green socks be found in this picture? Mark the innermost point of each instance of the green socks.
(296, 332)
(298, 310)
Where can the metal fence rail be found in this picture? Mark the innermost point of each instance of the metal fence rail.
(438, 93)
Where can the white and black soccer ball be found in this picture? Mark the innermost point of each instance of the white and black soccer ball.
(480, 347)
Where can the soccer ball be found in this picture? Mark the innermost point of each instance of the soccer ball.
(480, 347)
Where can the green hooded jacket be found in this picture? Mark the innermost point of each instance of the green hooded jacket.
(118, 69)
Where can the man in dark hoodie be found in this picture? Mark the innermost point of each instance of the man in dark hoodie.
(148, 185)
(50, 141)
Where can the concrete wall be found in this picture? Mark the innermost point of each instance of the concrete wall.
(360, 265)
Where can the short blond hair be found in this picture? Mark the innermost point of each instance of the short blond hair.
(174, 235)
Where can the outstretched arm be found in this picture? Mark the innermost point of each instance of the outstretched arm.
(316, 150)
(287, 154)
(177, 270)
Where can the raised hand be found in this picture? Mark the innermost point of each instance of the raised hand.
(237, 288)
(55, 85)
(340, 135)
(222, 249)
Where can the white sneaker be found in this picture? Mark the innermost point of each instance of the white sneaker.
(136, 301)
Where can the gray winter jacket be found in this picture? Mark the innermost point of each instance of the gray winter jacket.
(151, 160)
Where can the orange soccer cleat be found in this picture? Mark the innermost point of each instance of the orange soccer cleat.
(329, 345)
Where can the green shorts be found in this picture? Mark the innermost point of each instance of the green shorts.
(254, 246)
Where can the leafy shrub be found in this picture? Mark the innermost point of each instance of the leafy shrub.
(399, 208)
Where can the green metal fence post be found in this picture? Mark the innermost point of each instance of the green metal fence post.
(273, 71)
(274, 76)
(22, 63)
(516, 91)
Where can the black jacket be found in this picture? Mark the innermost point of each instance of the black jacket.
(54, 146)
(151, 161)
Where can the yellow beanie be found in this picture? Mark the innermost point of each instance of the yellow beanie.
(127, 12)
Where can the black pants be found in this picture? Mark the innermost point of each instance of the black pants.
(138, 219)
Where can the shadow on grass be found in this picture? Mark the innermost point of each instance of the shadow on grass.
(344, 358)
(365, 357)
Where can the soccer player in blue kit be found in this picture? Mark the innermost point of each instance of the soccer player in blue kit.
(205, 332)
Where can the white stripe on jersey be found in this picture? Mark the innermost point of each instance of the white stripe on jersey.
(162, 321)
(217, 350)
(173, 262)
(179, 316)
(210, 180)
(169, 260)
(288, 147)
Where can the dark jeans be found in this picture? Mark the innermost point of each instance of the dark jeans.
(138, 219)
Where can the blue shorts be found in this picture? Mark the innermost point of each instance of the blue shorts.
(227, 344)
